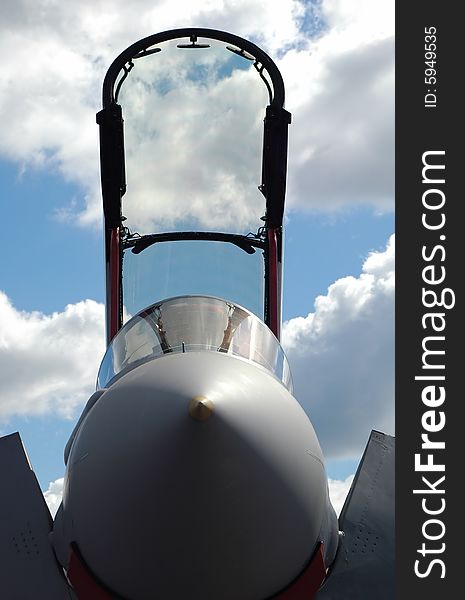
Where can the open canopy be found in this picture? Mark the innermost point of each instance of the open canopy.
(144, 265)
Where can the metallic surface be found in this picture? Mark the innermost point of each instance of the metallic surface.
(115, 313)
(274, 305)
(308, 582)
(108, 91)
(364, 566)
(200, 408)
(28, 568)
(162, 505)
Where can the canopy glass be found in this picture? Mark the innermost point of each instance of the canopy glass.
(192, 324)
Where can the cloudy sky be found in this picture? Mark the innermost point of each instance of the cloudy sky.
(337, 61)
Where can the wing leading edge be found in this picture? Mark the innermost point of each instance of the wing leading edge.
(28, 568)
(364, 565)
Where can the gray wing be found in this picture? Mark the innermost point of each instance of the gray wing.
(28, 568)
(364, 565)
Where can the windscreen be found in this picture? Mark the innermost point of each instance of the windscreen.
(181, 268)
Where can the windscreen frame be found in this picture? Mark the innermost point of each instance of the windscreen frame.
(113, 177)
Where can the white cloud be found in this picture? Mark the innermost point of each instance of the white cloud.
(339, 87)
(341, 93)
(48, 362)
(342, 358)
(53, 495)
(367, 18)
(338, 491)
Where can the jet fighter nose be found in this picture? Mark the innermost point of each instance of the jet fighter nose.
(200, 408)
(210, 485)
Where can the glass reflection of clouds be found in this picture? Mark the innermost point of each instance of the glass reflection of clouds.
(193, 324)
(201, 162)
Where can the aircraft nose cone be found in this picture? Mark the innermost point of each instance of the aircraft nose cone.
(200, 408)
(151, 460)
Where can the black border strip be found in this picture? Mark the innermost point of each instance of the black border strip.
(428, 123)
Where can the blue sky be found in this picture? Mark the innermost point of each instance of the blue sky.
(49, 263)
(321, 248)
(340, 211)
